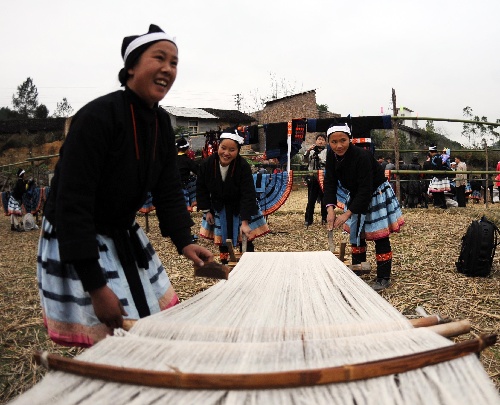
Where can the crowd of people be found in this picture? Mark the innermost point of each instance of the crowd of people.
(442, 190)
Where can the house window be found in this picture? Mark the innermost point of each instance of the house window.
(193, 127)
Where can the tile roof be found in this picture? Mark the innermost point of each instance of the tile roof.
(233, 116)
(188, 112)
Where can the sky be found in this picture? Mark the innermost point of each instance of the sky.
(439, 56)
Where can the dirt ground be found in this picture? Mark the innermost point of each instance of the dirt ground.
(424, 274)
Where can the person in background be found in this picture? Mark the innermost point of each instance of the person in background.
(96, 265)
(497, 178)
(15, 202)
(316, 157)
(415, 189)
(188, 169)
(225, 193)
(372, 211)
(382, 161)
(460, 181)
(439, 183)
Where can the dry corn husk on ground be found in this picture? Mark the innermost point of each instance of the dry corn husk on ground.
(424, 274)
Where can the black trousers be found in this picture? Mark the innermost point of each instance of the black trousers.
(314, 194)
(460, 194)
(439, 200)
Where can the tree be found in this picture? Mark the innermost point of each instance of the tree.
(280, 88)
(41, 111)
(7, 114)
(25, 102)
(429, 126)
(63, 109)
(478, 134)
(322, 107)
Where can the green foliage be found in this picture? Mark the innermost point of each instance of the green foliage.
(478, 135)
(180, 130)
(322, 107)
(7, 114)
(41, 111)
(63, 109)
(429, 126)
(25, 102)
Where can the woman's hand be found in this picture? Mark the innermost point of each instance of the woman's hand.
(245, 228)
(341, 219)
(198, 254)
(330, 218)
(209, 217)
(107, 307)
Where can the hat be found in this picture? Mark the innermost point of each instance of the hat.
(135, 45)
(20, 172)
(453, 163)
(182, 143)
(233, 136)
(335, 127)
(433, 148)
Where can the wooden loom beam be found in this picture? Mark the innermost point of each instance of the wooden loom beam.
(416, 323)
(280, 379)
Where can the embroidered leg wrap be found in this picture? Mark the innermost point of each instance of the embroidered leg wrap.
(224, 254)
(358, 253)
(383, 255)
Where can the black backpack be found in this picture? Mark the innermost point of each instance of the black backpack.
(478, 248)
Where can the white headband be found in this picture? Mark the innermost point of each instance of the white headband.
(144, 39)
(22, 172)
(339, 128)
(235, 137)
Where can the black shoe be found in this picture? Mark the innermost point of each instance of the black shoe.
(381, 284)
(307, 224)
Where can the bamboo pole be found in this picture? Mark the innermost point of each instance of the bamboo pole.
(495, 124)
(269, 380)
(487, 177)
(396, 144)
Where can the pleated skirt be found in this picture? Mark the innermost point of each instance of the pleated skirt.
(14, 207)
(67, 310)
(219, 233)
(383, 217)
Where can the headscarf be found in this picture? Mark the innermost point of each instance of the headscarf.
(134, 46)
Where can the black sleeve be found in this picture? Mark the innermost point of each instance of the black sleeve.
(330, 182)
(168, 198)
(203, 199)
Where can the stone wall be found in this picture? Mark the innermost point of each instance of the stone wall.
(301, 105)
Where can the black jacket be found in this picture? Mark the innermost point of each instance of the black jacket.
(105, 169)
(237, 192)
(358, 172)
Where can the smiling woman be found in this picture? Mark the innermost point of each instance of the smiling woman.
(95, 264)
(225, 192)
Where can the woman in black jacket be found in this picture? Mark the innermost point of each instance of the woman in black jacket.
(372, 210)
(225, 192)
(95, 264)
(15, 202)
